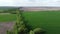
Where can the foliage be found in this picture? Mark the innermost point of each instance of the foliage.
(12, 11)
(38, 31)
(19, 27)
(31, 32)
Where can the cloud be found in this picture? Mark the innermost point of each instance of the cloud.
(40, 3)
(6, 3)
(29, 2)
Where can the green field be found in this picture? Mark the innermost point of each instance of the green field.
(50, 21)
(7, 17)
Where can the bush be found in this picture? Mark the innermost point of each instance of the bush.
(39, 31)
(31, 32)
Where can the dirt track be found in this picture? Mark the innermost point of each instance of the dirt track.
(4, 26)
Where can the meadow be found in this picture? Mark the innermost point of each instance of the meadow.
(7, 17)
(48, 20)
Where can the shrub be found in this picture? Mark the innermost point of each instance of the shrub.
(31, 32)
(39, 31)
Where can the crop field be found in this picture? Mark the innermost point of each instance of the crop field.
(48, 20)
(7, 17)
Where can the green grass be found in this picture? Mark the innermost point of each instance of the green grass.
(7, 17)
(50, 21)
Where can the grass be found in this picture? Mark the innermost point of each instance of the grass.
(50, 21)
(7, 17)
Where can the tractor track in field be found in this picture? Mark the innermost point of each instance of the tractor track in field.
(4, 26)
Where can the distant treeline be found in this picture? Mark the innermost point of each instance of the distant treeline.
(9, 11)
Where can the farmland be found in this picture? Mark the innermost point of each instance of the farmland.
(48, 20)
(7, 17)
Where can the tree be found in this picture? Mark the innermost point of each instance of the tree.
(19, 27)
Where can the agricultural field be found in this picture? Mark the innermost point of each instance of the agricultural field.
(48, 20)
(6, 17)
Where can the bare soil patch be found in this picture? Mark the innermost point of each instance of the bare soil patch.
(5, 26)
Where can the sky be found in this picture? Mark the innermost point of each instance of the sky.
(30, 3)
